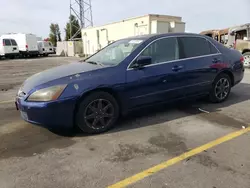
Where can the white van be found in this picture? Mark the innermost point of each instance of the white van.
(45, 48)
(27, 43)
(8, 48)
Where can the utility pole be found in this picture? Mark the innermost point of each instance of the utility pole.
(82, 9)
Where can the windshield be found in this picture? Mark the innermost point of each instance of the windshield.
(116, 52)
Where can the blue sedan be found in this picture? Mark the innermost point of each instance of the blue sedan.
(126, 75)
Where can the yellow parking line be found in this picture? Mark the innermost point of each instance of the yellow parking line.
(161, 166)
(5, 102)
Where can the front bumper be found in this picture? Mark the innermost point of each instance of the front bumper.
(56, 114)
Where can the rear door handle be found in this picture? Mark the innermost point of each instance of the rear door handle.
(215, 60)
(177, 68)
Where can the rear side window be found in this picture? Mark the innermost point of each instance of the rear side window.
(6, 42)
(213, 50)
(13, 42)
(194, 47)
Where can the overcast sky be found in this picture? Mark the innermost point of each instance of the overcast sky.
(33, 16)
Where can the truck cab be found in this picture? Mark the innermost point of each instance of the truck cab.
(239, 39)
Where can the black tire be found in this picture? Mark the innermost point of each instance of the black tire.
(84, 107)
(213, 97)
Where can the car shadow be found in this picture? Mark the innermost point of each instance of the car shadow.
(150, 116)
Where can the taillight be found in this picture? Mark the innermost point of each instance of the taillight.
(3, 43)
(26, 46)
(242, 59)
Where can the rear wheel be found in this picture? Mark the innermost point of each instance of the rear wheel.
(246, 59)
(97, 113)
(221, 88)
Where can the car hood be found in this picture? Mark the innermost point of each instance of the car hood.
(56, 73)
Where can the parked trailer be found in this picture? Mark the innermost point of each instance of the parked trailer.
(8, 48)
(27, 43)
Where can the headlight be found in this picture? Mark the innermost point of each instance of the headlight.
(47, 94)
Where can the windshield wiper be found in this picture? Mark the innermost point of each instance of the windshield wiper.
(94, 63)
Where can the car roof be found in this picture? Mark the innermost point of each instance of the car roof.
(155, 36)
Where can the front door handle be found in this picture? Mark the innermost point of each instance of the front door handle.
(177, 68)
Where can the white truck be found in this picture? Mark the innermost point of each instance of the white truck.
(27, 43)
(8, 48)
(45, 48)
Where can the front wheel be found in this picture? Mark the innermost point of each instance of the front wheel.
(97, 113)
(221, 88)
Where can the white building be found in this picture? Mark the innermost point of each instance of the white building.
(95, 38)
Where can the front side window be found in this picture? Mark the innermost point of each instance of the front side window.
(162, 50)
(6, 42)
(194, 47)
(116, 52)
(241, 34)
(13, 42)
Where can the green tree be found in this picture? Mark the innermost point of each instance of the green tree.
(75, 26)
(58, 32)
(55, 34)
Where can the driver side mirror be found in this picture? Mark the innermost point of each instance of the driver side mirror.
(142, 61)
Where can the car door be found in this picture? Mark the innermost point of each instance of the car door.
(199, 56)
(7, 46)
(14, 46)
(161, 80)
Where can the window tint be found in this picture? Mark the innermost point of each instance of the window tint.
(194, 46)
(213, 50)
(6, 42)
(13, 42)
(162, 50)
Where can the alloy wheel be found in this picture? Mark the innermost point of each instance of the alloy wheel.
(99, 114)
(222, 88)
